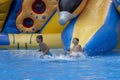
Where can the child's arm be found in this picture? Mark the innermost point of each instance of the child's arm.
(70, 51)
(80, 48)
(36, 53)
(46, 51)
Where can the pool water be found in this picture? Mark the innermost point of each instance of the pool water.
(21, 65)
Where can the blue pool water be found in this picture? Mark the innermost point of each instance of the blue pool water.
(20, 65)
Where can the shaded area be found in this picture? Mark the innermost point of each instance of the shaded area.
(68, 5)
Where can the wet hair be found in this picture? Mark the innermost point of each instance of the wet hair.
(40, 37)
(77, 39)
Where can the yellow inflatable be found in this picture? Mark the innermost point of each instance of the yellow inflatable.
(28, 41)
(35, 14)
(4, 9)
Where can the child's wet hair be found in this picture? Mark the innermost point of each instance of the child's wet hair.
(40, 37)
(77, 39)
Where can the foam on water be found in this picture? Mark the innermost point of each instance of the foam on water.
(60, 57)
(58, 54)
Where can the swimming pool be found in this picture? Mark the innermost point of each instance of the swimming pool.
(20, 65)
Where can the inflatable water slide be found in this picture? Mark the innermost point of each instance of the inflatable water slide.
(94, 22)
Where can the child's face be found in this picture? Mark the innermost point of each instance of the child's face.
(75, 41)
(38, 40)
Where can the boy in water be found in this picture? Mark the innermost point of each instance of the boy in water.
(76, 49)
(42, 46)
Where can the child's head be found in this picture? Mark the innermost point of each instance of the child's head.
(75, 41)
(39, 38)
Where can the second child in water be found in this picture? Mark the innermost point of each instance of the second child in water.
(76, 50)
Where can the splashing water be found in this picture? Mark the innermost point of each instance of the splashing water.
(58, 56)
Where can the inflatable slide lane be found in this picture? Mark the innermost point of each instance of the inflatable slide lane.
(96, 27)
(117, 5)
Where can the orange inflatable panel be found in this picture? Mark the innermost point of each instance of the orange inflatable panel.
(34, 14)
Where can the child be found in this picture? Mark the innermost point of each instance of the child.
(76, 49)
(42, 46)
